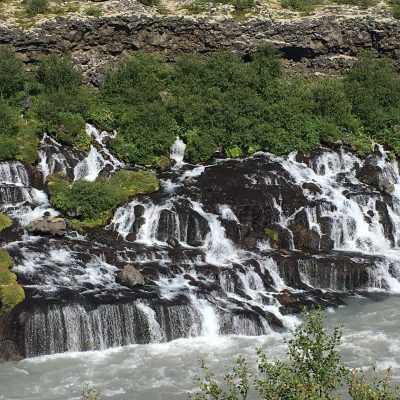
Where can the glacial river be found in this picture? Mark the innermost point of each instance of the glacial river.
(166, 371)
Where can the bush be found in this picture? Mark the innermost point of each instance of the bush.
(95, 201)
(28, 141)
(314, 371)
(58, 72)
(150, 2)
(12, 75)
(34, 7)
(305, 6)
(93, 11)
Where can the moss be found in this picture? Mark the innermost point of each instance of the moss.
(28, 141)
(5, 222)
(272, 234)
(94, 202)
(11, 293)
(234, 152)
(163, 163)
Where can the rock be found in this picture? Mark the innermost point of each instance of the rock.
(387, 186)
(305, 239)
(48, 225)
(250, 242)
(172, 242)
(311, 187)
(370, 175)
(130, 277)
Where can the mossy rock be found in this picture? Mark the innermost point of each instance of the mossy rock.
(272, 234)
(5, 222)
(163, 163)
(11, 293)
(94, 202)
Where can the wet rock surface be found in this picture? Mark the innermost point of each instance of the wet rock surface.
(247, 244)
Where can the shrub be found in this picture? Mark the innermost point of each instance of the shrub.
(314, 371)
(150, 2)
(28, 141)
(58, 72)
(34, 7)
(12, 76)
(305, 6)
(93, 11)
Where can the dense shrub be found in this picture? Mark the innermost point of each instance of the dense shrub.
(58, 72)
(12, 74)
(314, 371)
(305, 6)
(34, 7)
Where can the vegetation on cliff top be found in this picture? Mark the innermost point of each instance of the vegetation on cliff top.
(11, 293)
(94, 202)
(216, 103)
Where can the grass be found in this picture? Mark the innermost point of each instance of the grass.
(94, 202)
(11, 293)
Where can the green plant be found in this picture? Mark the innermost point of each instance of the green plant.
(305, 6)
(34, 7)
(93, 11)
(314, 371)
(272, 234)
(12, 75)
(150, 2)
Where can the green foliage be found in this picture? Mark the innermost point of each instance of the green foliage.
(314, 371)
(93, 11)
(359, 3)
(12, 74)
(305, 6)
(272, 234)
(5, 222)
(395, 8)
(94, 202)
(11, 293)
(28, 141)
(9, 120)
(58, 72)
(34, 7)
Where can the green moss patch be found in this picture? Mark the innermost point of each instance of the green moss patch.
(94, 202)
(5, 222)
(272, 234)
(11, 293)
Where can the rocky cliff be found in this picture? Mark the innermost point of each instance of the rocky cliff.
(326, 41)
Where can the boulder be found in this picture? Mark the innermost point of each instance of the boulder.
(48, 225)
(130, 277)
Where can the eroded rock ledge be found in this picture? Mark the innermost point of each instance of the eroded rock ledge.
(326, 42)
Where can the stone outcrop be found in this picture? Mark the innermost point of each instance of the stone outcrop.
(325, 42)
(48, 225)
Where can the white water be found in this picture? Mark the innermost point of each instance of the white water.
(166, 371)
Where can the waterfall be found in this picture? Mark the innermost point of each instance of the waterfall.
(178, 152)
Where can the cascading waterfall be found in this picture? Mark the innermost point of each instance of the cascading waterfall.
(210, 268)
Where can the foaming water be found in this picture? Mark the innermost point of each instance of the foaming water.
(166, 371)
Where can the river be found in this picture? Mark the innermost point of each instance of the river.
(166, 371)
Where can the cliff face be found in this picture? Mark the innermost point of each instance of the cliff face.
(325, 42)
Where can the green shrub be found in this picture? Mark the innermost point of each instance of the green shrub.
(12, 75)
(58, 72)
(34, 7)
(305, 6)
(359, 3)
(314, 371)
(93, 11)
(95, 201)
(28, 141)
